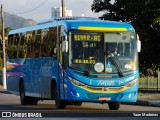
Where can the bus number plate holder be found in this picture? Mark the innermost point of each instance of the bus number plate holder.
(104, 98)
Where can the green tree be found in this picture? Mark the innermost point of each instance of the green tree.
(144, 15)
(7, 30)
(156, 24)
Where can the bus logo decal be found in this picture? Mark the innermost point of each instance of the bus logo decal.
(106, 83)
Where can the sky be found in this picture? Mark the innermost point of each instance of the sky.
(41, 9)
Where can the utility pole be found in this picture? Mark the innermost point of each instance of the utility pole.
(63, 8)
(4, 51)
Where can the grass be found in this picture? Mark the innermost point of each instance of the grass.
(140, 94)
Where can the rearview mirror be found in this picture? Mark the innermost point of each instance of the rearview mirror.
(65, 46)
(138, 44)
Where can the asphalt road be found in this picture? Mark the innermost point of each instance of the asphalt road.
(11, 103)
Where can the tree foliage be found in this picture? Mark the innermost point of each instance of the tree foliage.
(6, 30)
(140, 13)
(144, 15)
(156, 24)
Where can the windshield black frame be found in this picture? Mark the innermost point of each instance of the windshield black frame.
(100, 53)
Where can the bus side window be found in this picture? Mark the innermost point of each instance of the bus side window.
(9, 48)
(37, 44)
(23, 45)
(17, 40)
(44, 42)
(12, 47)
(49, 43)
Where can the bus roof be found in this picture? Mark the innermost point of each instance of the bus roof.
(78, 23)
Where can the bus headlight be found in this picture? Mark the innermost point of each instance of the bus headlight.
(131, 83)
(76, 82)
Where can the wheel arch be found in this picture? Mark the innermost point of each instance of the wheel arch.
(20, 82)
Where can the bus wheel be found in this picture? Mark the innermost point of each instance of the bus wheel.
(60, 104)
(23, 97)
(25, 100)
(114, 105)
(32, 101)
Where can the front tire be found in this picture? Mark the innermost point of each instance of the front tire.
(32, 101)
(114, 105)
(60, 104)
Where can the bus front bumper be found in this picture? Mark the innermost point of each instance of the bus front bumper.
(125, 94)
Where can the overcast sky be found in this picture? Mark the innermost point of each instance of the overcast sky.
(36, 11)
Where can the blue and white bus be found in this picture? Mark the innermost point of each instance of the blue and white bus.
(74, 60)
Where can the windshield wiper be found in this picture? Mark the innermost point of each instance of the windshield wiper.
(115, 63)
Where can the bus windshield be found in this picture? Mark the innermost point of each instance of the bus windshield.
(102, 52)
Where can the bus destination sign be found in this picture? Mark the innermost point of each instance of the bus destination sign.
(87, 37)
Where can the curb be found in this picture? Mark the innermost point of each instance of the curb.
(155, 103)
(5, 92)
(143, 103)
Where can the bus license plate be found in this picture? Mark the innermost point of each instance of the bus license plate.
(104, 98)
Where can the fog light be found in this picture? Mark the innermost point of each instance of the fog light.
(75, 94)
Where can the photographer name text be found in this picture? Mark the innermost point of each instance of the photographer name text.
(145, 114)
